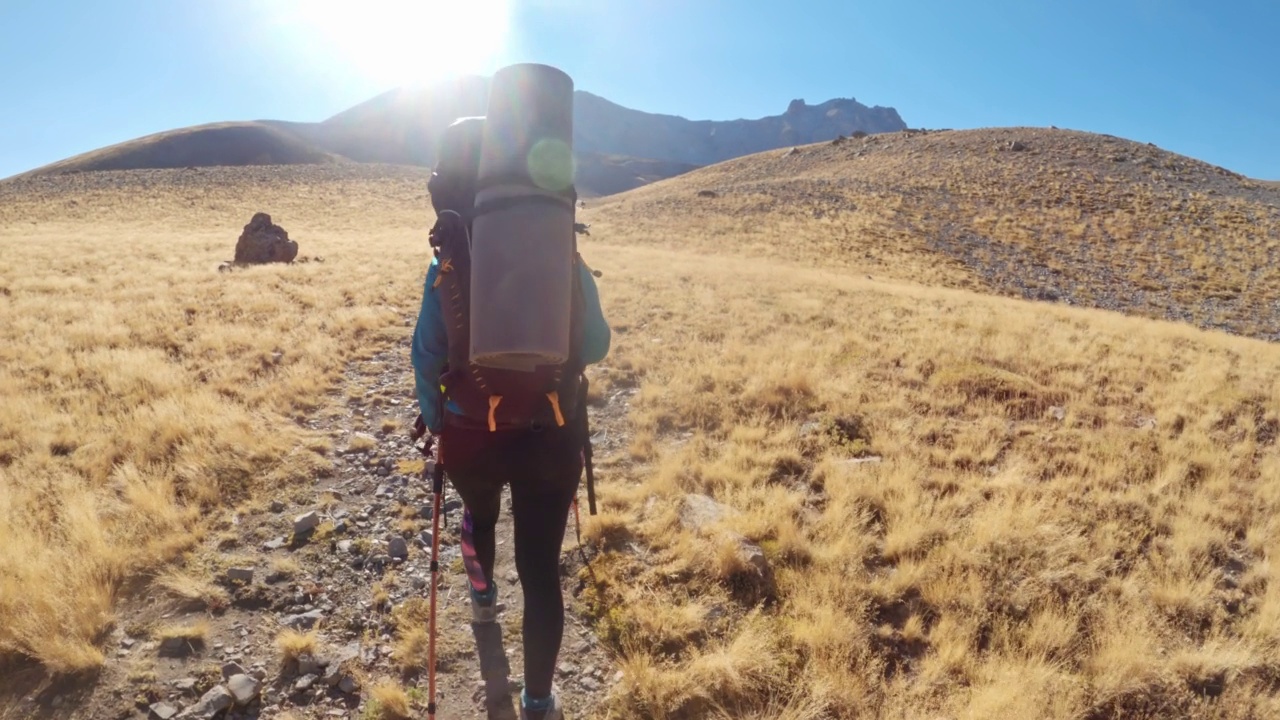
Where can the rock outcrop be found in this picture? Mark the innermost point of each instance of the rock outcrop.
(264, 242)
(602, 126)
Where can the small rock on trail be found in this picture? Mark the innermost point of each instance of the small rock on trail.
(244, 688)
(162, 711)
(211, 703)
(398, 548)
(306, 522)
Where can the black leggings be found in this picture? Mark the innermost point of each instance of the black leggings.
(544, 469)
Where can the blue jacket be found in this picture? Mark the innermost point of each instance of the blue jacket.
(430, 349)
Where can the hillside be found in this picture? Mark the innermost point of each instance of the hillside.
(617, 148)
(968, 505)
(922, 501)
(603, 126)
(1070, 217)
(230, 143)
(601, 175)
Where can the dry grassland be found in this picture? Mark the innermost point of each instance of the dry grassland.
(1072, 516)
(143, 390)
(1100, 221)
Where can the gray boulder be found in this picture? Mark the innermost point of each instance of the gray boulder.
(211, 703)
(244, 688)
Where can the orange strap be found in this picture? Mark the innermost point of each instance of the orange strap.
(554, 397)
(493, 409)
(447, 266)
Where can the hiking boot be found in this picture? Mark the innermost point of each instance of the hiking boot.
(484, 606)
(551, 710)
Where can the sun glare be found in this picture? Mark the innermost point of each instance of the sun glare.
(403, 42)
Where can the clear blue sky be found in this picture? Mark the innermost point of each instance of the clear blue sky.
(1200, 77)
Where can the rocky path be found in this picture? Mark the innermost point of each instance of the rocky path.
(311, 601)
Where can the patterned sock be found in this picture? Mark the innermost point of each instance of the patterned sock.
(475, 573)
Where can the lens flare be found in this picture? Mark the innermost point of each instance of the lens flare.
(550, 164)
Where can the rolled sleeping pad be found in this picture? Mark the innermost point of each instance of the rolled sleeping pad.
(522, 238)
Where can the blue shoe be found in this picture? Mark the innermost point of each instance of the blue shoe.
(484, 606)
(547, 709)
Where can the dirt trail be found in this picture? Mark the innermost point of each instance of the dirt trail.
(359, 578)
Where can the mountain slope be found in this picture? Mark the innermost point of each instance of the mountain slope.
(617, 148)
(401, 126)
(230, 143)
(397, 127)
(604, 126)
(1048, 214)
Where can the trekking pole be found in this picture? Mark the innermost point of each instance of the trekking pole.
(586, 446)
(437, 488)
(591, 478)
(577, 520)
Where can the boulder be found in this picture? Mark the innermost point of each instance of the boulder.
(210, 705)
(398, 548)
(306, 522)
(244, 689)
(304, 621)
(337, 667)
(162, 711)
(240, 574)
(264, 242)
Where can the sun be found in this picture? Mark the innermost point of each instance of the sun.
(402, 42)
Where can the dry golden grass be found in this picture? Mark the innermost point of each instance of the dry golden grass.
(191, 590)
(293, 644)
(1102, 221)
(998, 562)
(1072, 516)
(142, 388)
(380, 593)
(362, 444)
(286, 568)
(192, 632)
(412, 649)
(389, 702)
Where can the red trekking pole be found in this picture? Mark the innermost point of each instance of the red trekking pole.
(437, 489)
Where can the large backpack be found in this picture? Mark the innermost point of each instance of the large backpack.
(498, 398)
(489, 397)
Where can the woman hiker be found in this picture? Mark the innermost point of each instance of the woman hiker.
(535, 445)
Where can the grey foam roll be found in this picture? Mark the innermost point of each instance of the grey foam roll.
(522, 251)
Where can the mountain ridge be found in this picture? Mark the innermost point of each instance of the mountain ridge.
(617, 148)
